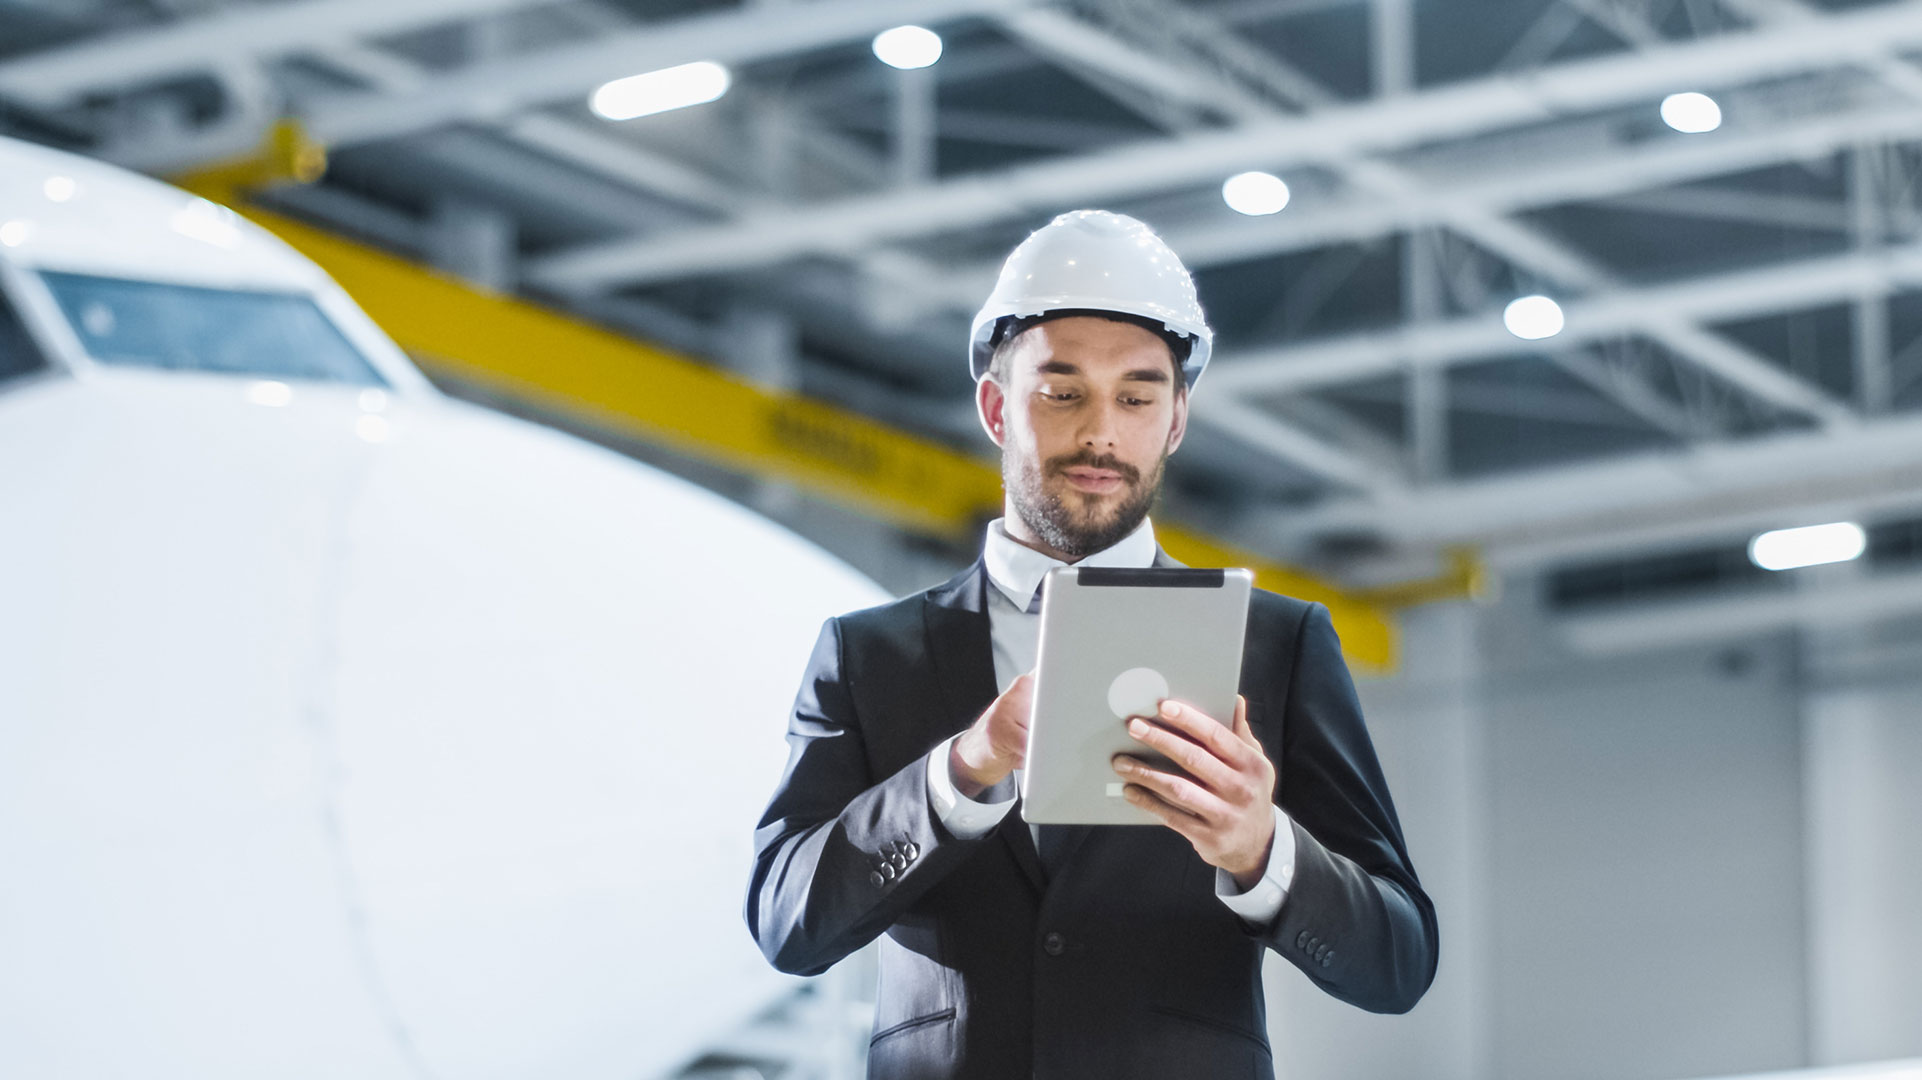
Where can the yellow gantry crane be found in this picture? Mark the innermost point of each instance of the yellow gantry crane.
(564, 366)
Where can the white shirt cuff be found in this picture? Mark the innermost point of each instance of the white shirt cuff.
(964, 818)
(1261, 903)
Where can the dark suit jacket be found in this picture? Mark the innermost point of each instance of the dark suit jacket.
(1124, 963)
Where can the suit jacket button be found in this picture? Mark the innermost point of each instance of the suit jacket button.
(1054, 944)
(877, 879)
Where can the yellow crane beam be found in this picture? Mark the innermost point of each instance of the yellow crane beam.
(572, 368)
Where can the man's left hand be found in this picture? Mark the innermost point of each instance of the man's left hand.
(1224, 805)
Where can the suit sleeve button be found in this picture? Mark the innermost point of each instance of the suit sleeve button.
(887, 871)
(1054, 944)
(898, 861)
(911, 851)
(877, 879)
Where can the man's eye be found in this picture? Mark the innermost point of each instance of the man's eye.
(1063, 395)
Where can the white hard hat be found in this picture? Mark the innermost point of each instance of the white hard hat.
(1095, 260)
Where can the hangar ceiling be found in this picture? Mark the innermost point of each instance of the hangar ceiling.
(1743, 307)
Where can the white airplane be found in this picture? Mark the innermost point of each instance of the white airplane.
(347, 730)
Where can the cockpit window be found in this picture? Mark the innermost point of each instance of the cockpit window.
(17, 354)
(186, 328)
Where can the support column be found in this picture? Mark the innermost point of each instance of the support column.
(914, 126)
(1427, 400)
(1868, 187)
(1392, 44)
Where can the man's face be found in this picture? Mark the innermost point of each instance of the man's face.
(1086, 420)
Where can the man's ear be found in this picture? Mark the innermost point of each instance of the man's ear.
(990, 403)
(1180, 425)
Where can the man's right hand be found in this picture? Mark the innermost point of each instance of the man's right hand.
(996, 744)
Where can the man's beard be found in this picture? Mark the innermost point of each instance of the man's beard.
(1071, 529)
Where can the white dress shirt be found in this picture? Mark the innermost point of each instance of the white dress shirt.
(1015, 572)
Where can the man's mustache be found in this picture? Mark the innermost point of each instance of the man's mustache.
(1088, 459)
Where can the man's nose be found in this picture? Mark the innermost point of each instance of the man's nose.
(1098, 428)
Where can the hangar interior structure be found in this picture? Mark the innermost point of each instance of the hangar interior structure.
(1664, 794)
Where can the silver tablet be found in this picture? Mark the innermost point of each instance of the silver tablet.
(1114, 643)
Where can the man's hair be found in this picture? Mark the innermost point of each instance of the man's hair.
(1011, 328)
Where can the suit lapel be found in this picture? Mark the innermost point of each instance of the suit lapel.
(961, 646)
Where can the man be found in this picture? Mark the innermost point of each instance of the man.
(1051, 951)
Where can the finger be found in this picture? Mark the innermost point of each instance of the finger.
(1174, 817)
(1193, 757)
(1203, 729)
(1178, 791)
(1242, 727)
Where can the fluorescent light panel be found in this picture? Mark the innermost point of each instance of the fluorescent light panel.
(660, 91)
(1811, 545)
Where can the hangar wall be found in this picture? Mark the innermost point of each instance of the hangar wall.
(1681, 862)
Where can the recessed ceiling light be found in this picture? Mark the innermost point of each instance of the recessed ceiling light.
(908, 47)
(1255, 193)
(1532, 318)
(1691, 112)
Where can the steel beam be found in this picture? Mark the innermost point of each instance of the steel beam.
(488, 92)
(1585, 174)
(1521, 244)
(1592, 506)
(1454, 111)
(1855, 601)
(1787, 286)
(55, 76)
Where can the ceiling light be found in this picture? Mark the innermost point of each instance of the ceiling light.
(59, 188)
(1691, 112)
(907, 47)
(659, 91)
(14, 233)
(1533, 318)
(1255, 193)
(1811, 545)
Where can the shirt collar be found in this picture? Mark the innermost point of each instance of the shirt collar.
(1016, 569)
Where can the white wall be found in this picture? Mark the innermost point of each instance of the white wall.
(1425, 726)
(1646, 873)
(1864, 750)
(1616, 851)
